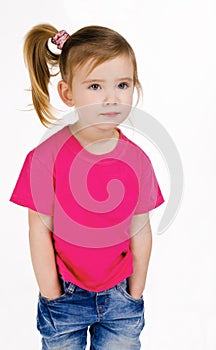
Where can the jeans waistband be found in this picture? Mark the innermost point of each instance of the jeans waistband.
(66, 285)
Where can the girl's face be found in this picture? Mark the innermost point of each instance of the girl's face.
(104, 96)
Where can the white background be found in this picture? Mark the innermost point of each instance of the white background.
(174, 43)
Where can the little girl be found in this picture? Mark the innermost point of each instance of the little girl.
(88, 190)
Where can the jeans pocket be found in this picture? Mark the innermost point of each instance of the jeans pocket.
(51, 311)
(52, 300)
(68, 289)
(45, 324)
(122, 288)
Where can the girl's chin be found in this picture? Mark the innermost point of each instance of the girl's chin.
(107, 126)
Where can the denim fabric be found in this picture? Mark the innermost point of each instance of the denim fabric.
(114, 319)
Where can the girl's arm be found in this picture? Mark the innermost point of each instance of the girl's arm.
(141, 244)
(43, 255)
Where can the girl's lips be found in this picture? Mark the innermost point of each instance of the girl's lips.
(110, 114)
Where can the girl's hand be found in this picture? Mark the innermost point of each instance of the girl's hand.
(136, 296)
(52, 296)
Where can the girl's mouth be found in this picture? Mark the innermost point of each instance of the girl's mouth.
(110, 114)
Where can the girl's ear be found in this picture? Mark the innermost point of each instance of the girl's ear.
(65, 93)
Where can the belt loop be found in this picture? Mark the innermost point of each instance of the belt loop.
(71, 287)
(122, 284)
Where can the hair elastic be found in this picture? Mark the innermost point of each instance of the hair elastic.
(60, 38)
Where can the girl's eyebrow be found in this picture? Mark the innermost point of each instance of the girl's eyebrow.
(125, 79)
(90, 81)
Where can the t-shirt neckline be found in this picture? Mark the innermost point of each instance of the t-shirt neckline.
(116, 153)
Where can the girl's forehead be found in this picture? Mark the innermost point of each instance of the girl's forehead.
(120, 65)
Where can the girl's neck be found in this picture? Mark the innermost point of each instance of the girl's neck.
(95, 140)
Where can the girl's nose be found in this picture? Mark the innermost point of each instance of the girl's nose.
(110, 97)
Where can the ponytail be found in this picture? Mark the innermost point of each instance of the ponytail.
(40, 60)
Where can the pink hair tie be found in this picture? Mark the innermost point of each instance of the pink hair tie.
(60, 38)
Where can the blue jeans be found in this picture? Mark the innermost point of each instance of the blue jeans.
(114, 319)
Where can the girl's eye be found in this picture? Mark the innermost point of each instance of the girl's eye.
(94, 87)
(123, 85)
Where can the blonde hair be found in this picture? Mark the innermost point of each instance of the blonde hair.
(94, 43)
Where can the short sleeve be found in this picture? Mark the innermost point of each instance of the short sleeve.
(34, 188)
(150, 196)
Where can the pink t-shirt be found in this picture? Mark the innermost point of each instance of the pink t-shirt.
(92, 199)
